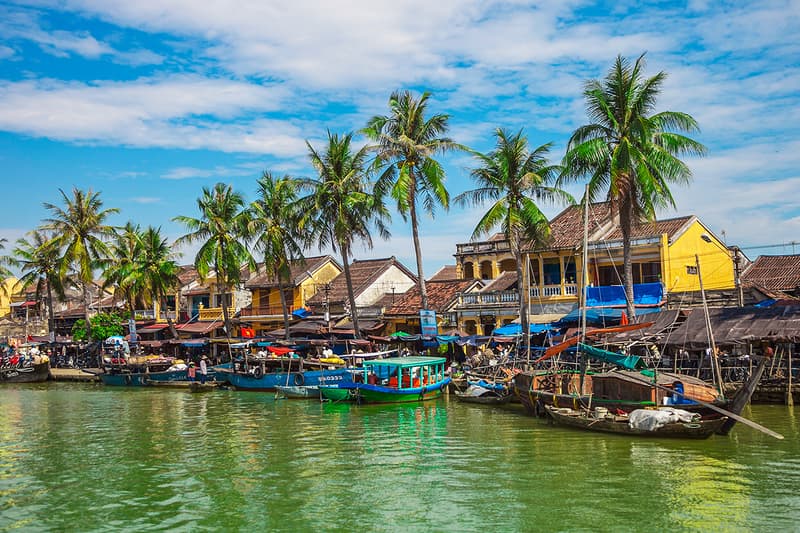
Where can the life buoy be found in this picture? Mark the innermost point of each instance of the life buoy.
(299, 379)
(258, 373)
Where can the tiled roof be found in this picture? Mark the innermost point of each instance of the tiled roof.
(670, 226)
(440, 295)
(187, 274)
(362, 273)
(503, 282)
(298, 272)
(566, 229)
(776, 272)
(447, 272)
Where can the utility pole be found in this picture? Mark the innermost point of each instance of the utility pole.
(737, 270)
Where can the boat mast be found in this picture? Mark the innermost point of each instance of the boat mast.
(715, 370)
(584, 282)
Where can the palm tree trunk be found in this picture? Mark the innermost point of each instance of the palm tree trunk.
(51, 321)
(625, 222)
(423, 290)
(170, 323)
(522, 290)
(350, 294)
(284, 308)
(86, 311)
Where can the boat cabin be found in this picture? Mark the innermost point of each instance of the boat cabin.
(404, 372)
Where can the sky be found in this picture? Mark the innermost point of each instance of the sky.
(148, 102)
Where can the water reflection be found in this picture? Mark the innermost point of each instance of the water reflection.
(89, 458)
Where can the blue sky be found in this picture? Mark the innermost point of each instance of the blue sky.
(149, 101)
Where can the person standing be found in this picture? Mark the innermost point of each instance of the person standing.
(203, 368)
(191, 372)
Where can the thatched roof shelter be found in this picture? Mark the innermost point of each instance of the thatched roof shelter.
(738, 325)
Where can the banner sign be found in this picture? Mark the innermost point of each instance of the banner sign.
(427, 322)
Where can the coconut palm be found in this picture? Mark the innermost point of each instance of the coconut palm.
(514, 177)
(222, 230)
(79, 229)
(121, 270)
(407, 142)
(275, 223)
(340, 208)
(628, 152)
(158, 270)
(39, 259)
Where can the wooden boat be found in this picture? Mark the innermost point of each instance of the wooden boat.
(33, 373)
(268, 378)
(194, 386)
(698, 428)
(298, 391)
(393, 380)
(136, 376)
(483, 396)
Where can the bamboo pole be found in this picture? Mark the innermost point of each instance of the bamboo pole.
(789, 397)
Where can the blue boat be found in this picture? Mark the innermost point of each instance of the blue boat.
(256, 380)
(393, 380)
(124, 378)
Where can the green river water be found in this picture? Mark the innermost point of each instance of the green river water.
(88, 458)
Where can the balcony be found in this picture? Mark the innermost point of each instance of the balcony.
(488, 298)
(554, 291)
(482, 247)
(264, 310)
(210, 314)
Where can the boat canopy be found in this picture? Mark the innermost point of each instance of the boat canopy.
(631, 362)
(407, 362)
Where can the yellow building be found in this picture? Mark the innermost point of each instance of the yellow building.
(7, 290)
(306, 279)
(667, 251)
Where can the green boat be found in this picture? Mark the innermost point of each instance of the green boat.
(393, 380)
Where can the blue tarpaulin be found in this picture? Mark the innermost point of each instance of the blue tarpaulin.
(614, 295)
(631, 362)
(516, 329)
(600, 317)
(301, 313)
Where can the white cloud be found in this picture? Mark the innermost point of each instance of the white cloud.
(179, 112)
(145, 199)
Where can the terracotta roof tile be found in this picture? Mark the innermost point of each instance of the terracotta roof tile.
(260, 279)
(670, 226)
(503, 282)
(447, 272)
(566, 228)
(362, 273)
(440, 296)
(775, 272)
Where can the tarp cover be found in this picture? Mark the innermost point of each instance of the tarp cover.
(614, 295)
(600, 317)
(516, 329)
(631, 362)
(734, 325)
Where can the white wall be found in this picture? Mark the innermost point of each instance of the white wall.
(393, 277)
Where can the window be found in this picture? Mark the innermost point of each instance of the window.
(552, 271)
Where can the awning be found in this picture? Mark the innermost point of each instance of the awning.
(198, 327)
(22, 304)
(152, 328)
(644, 294)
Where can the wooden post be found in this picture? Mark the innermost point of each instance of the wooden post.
(789, 397)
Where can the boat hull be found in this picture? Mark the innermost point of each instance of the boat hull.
(143, 379)
(270, 381)
(30, 374)
(299, 392)
(701, 429)
(364, 393)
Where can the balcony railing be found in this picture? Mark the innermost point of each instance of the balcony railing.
(210, 314)
(482, 247)
(489, 298)
(549, 291)
(264, 310)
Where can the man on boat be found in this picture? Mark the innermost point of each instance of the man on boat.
(203, 368)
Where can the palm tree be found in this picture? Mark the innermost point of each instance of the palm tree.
(628, 152)
(158, 270)
(121, 270)
(406, 145)
(79, 229)
(40, 259)
(4, 272)
(340, 208)
(275, 222)
(222, 229)
(514, 178)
